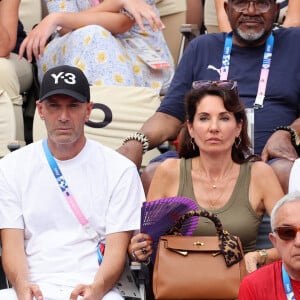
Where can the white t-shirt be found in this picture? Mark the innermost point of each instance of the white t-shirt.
(294, 182)
(107, 188)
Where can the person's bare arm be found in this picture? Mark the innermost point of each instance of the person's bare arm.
(35, 42)
(194, 13)
(110, 269)
(15, 264)
(292, 18)
(279, 144)
(222, 18)
(264, 194)
(158, 128)
(166, 175)
(8, 26)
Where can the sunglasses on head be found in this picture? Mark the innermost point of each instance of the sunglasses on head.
(242, 6)
(287, 233)
(225, 84)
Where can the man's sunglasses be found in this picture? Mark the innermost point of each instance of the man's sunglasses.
(287, 233)
(242, 6)
(225, 84)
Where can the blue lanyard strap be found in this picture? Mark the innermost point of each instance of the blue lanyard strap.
(62, 183)
(264, 73)
(226, 57)
(287, 284)
(55, 169)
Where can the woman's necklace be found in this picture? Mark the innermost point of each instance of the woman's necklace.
(217, 188)
(220, 182)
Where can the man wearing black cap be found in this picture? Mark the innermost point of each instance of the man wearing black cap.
(61, 197)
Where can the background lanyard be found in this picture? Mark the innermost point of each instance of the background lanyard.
(287, 284)
(264, 73)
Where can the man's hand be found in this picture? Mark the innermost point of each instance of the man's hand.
(279, 146)
(85, 292)
(28, 291)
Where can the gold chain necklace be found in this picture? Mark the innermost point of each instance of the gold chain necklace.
(214, 186)
(212, 201)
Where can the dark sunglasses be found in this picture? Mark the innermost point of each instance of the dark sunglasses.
(287, 233)
(225, 84)
(242, 6)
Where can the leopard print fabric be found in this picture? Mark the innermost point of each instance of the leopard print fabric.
(229, 244)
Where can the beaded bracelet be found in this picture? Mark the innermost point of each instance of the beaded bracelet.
(294, 136)
(140, 137)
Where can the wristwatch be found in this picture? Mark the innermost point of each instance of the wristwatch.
(263, 253)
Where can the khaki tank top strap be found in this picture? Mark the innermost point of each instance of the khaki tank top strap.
(185, 179)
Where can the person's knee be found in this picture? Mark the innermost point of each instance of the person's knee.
(93, 31)
(8, 80)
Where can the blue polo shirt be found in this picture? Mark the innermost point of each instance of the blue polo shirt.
(202, 61)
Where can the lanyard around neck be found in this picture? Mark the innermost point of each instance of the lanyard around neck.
(62, 183)
(264, 73)
(287, 284)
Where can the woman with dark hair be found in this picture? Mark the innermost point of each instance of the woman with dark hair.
(241, 147)
(216, 170)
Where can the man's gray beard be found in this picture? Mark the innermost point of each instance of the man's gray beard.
(250, 35)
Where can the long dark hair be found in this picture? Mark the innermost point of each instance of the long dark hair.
(241, 151)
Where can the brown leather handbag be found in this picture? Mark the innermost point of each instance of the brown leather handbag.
(198, 267)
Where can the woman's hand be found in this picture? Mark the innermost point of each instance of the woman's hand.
(141, 10)
(140, 247)
(254, 259)
(36, 41)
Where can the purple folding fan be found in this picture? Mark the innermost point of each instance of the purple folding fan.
(159, 216)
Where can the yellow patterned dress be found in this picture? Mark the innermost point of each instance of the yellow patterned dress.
(107, 59)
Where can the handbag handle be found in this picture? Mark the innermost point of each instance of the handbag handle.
(229, 244)
(175, 229)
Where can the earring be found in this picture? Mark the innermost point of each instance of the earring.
(193, 144)
(237, 142)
